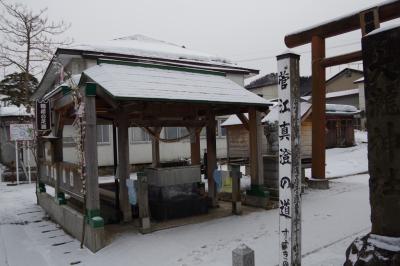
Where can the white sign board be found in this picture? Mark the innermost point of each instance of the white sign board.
(21, 132)
(289, 161)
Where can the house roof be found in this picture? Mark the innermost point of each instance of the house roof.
(159, 83)
(272, 79)
(341, 109)
(143, 46)
(344, 71)
(360, 80)
(336, 94)
(13, 111)
(137, 48)
(271, 117)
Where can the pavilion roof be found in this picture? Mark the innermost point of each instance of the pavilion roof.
(127, 81)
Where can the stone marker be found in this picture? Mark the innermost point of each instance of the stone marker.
(381, 60)
(243, 256)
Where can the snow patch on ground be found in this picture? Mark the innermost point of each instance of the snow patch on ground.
(347, 161)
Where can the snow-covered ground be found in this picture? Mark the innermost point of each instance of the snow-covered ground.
(347, 161)
(331, 220)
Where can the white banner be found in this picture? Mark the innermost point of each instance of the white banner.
(21, 132)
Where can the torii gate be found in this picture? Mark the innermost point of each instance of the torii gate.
(366, 20)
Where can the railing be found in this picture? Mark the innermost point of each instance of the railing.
(48, 172)
(68, 180)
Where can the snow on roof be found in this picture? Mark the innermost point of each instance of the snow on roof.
(151, 82)
(72, 81)
(233, 120)
(13, 111)
(273, 115)
(384, 28)
(341, 17)
(341, 93)
(140, 45)
(359, 80)
(341, 109)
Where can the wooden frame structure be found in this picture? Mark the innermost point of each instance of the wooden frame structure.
(102, 106)
(366, 20)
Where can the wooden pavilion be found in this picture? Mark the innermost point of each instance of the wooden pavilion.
(142, 94)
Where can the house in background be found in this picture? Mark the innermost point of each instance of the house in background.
(267, 86)
(343, 80)
(238, 135)
(341, 89)
(340, 125)
(11, 114)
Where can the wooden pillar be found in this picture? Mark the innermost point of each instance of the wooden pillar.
(40, 158)
(155, 147)
(194, 145)
(318, 108)
(90, 153)
(211, 158)
(143, 202)
(255, 135)
(57, 157)
(236, 197)
(123, 166)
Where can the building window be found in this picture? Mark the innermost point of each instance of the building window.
(103, 134)
(138, 134)
(221, 131)
(171, 132)
(175, 132)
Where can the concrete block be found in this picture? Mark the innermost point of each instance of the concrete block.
(318, 183)
(72, 222)
(255, 201)
(145, 225)
(169, 176)
(243, 256)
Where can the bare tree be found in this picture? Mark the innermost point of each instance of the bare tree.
(28, 39)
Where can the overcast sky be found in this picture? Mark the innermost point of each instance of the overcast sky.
(242, 30)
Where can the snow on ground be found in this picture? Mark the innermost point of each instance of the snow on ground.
(331, 220)
(347, 161)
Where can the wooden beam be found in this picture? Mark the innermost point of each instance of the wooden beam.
(64, 102)
(194, 145)
(244, 120)
(318, 108)
(143, 202)
(255, 156)
(100, 92)
(123, 166)
(387, 11)
(167, 123)
(211, 158)
(155, 147)
(341, 59)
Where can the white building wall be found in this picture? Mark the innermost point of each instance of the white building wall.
(267, 92)
(140, 152)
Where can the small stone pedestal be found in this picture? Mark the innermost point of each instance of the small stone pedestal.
(243, 256)
(318, 183)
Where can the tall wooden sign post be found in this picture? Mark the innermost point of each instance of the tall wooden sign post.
(289, 160)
